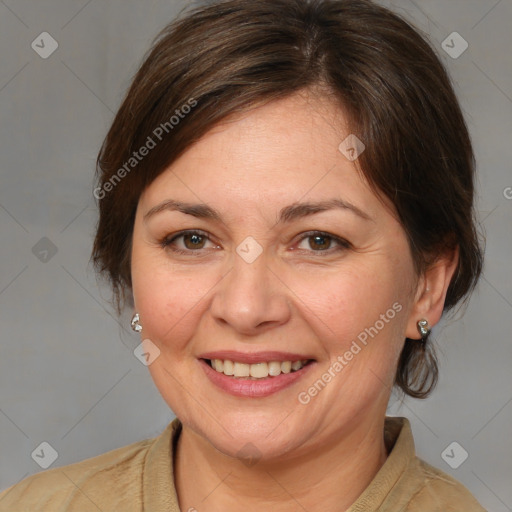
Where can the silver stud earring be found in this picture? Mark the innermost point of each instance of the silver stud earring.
(423, 328)
(135, 323)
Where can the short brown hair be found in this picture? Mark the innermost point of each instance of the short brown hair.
(232, 55)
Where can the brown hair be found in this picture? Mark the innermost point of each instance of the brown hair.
(224, 58)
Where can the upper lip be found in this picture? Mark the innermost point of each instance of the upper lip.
(254, 357)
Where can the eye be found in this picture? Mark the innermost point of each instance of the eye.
(190, 241)
(185, 242)
(319, 241)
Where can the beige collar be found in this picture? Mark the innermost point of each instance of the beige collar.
(159, 492)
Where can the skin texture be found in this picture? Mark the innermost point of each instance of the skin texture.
(293, 297)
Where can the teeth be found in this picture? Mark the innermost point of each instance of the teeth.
(297, 365)
(242, 370)
(274, 368)
(229, 367)
(259, 370)
(256, 370)
(286, 366)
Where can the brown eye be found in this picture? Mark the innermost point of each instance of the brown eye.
(187, 242)
(319, 242)
(193, 241)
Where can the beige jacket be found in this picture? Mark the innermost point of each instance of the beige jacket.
(139, 478)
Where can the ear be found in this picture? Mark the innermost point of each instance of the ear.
(431, 292)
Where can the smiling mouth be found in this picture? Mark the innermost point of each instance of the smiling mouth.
(256, 371)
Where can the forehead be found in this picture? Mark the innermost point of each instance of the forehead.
(278, 153)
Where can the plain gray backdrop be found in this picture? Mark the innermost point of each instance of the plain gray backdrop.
(68, 375)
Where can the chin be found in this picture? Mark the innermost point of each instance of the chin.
(251, 436)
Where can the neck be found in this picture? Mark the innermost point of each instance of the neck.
(327, 478)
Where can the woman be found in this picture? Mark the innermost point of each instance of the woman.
(286, 201)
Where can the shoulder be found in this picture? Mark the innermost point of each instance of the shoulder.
(417, 486)
(82, 486)
(438, 491)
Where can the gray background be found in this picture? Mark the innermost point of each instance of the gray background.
(68, 375)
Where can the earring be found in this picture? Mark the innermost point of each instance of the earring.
(423, 329)
(135, 323)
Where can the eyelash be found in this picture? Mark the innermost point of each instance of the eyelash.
(342, 244)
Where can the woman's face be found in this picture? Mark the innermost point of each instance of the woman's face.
(263, 274)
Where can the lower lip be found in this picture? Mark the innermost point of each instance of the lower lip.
(253, 388)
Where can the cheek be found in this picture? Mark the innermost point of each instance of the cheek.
(358, 319)
(348, 300)
(360, 309)
(168, 300)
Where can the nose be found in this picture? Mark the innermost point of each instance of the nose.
(251, 298)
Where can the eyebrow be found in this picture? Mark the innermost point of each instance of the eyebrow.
(286, 214)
